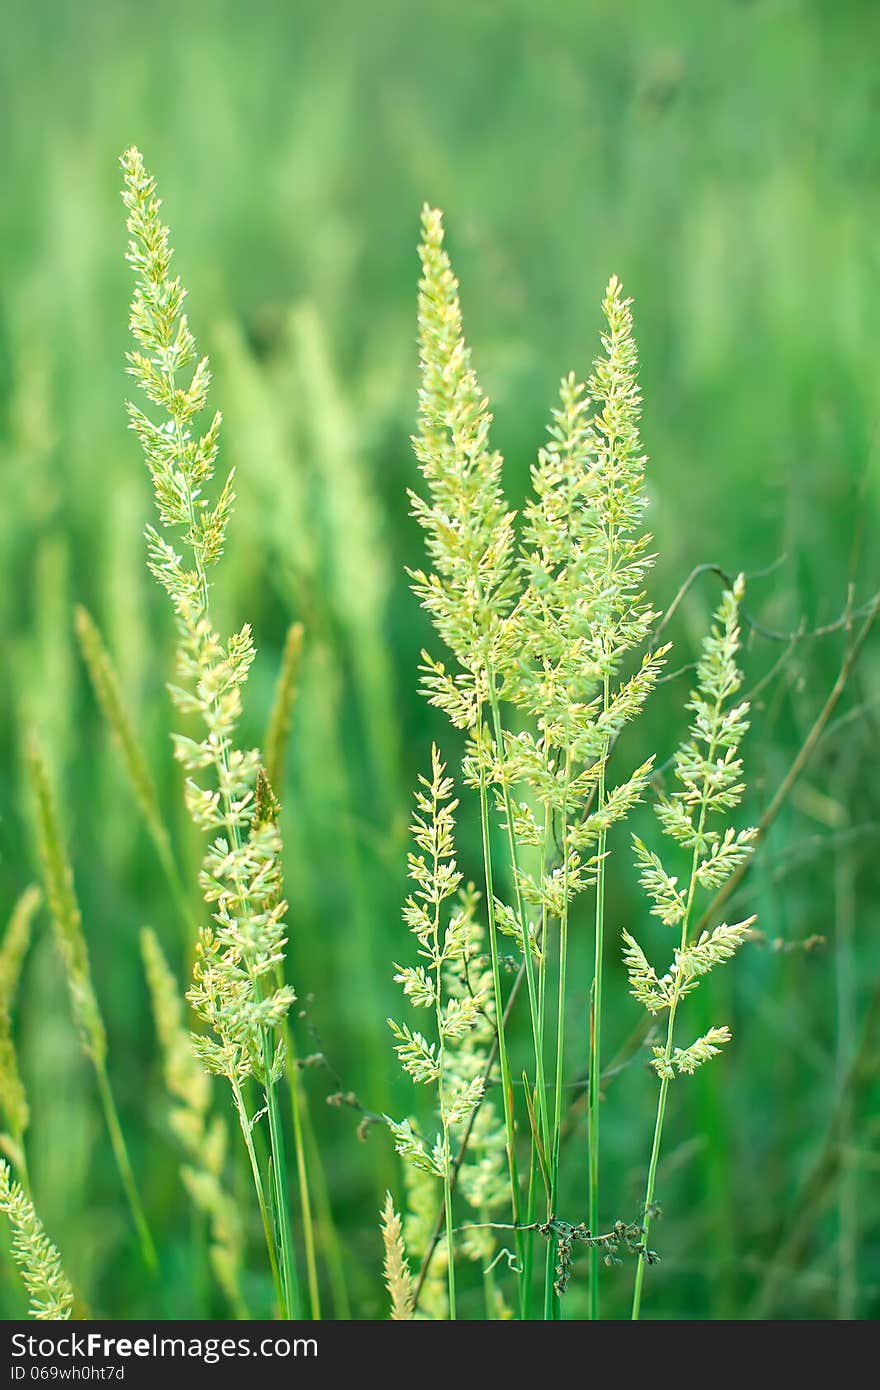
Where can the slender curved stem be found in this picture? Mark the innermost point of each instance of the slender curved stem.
(265, 1215)
(297, 1105)
(670, 1029)
(551, 1298)
(441, 1070)
(278, 1165)
(506, 1087)
(123, 1164)
(305, 1198)
(596, 1027)
(537, 1038)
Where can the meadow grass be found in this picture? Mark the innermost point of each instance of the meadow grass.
(555, 649)
(755, 297)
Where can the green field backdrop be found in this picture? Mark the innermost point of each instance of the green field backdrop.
(723, 158)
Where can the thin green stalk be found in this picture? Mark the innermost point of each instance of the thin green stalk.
(542, 966)
(845, 999)
(324, 1221)
(257, 1176)
(551, 1298)
(282, 1217)
(490, 1292)
(667, 1052)
(542, 1010)
(441, 1064)
(506, 1087)
(537, 1039)
(123, 1164)
(305, 1197)
(535, 1014)
(296, 1105)
(595, 1064)
(450, 1263)
(280, 1210)
(275, 742)
(712, 1118)
(528, 1236)
(649, 1188)
(661, 1099)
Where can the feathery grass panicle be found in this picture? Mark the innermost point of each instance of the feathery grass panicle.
(233, 961)
(482, 1178)
(584, 560)
(278, 731)
(398, 1279)
(471, 588)
(605, 617)
(467, 524)
(241, 870)
(443, 934)
(235, 990)
(13, 1096)
(482, 1167)
(108, 692)
(581, 613)
(51, 1296)
(203, 1138)
(708, 769)
(547, 630)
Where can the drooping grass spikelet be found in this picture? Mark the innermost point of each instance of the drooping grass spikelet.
(398, 1279)
(235, 990)
(51, 1296)
(16, 940)
(64, 909)
(708, 769)
(357, 570)
(13, 1097)
(70, 937)
(108, 693)
(202, 1137)
(187, 1082)
(278, 731)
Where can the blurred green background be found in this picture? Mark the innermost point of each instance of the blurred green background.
(724, 160)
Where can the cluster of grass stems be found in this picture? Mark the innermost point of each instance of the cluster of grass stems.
(552, 648)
